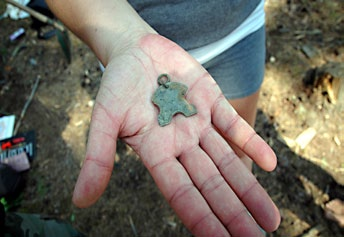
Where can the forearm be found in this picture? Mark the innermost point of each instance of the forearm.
(107, 26)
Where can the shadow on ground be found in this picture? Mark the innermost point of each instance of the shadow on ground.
(299, 188)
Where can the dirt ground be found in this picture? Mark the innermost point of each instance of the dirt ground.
(301, 35)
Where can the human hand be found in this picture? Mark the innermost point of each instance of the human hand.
(190, 160)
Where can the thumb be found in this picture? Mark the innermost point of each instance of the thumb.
(98, 164)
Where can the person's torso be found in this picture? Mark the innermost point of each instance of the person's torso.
(194, 23)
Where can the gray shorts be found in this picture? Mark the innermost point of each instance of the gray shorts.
(239, 71)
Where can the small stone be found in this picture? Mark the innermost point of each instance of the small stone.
(337, 141)
(90, 103)
(304, 138)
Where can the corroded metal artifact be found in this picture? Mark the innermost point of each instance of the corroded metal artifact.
(170, 98)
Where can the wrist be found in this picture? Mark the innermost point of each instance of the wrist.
(108, 27)
(115, 32)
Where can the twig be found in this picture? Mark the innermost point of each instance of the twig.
(133, 228)
(33, 91)
(37, 15)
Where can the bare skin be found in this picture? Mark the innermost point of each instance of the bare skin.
(193, 165)
(247, 109)
(196, 170)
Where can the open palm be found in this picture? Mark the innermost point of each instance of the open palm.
(190, 160)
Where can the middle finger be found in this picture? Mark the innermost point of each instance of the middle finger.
(241, 180)
(219, 195)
